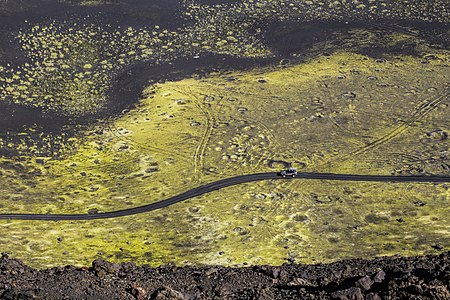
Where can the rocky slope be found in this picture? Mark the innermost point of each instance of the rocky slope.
(422, 277)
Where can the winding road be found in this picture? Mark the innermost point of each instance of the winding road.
(217, 185)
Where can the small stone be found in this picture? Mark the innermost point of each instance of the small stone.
(349, 95)
(93, 189)
(40, 161)
(167, 293)
(430, 57)
(209, 98)
(276, 272)
(210, 271)
(138, 292)
(93, 211)
(419, 203)
(437, 246)
(400, 220)
(284, 62)
(353, 293)
(379, 277)
(364, 283)
(373, 296)
(60, 239)
(301, 282)
(102, 267)
(151, 170)
(193, 209)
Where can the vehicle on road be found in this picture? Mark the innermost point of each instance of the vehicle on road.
(289, 172)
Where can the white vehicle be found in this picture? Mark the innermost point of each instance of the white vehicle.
(289, 172)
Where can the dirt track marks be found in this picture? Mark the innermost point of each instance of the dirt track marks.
(210, 108)
(421, 110)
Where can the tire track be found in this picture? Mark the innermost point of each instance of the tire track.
(116, 133)
(421, 110)
(211, 120)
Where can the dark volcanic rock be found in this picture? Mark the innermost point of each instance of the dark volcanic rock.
(379, 277)
(423, 277)
(348, 294)
(364, 283)
(101, 267)
(138, 292)
(166, 293)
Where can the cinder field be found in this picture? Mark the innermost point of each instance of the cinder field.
(88, 125)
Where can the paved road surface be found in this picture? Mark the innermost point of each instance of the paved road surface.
(217, 185)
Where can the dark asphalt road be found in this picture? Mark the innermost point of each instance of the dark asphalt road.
(216, 185)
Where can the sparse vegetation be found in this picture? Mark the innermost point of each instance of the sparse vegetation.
(336, 109)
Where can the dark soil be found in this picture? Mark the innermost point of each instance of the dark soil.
(422, 277)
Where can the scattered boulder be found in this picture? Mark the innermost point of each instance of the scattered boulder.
(138, 292)
(364, 283)
(382, 278)
(352, 293)
(373, 296)
(167, 293)
(102, 267)
(379, 277)
(437, 247)
(302, 282)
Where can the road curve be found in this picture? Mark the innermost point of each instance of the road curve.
(220, 184)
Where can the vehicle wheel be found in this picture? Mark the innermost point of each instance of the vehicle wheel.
(293, 175)
(284, 176)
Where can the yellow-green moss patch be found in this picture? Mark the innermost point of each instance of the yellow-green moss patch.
(341, 113)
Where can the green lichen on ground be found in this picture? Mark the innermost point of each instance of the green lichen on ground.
(342, 113)
(333, 111)
(72, 65)
(286, 10)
